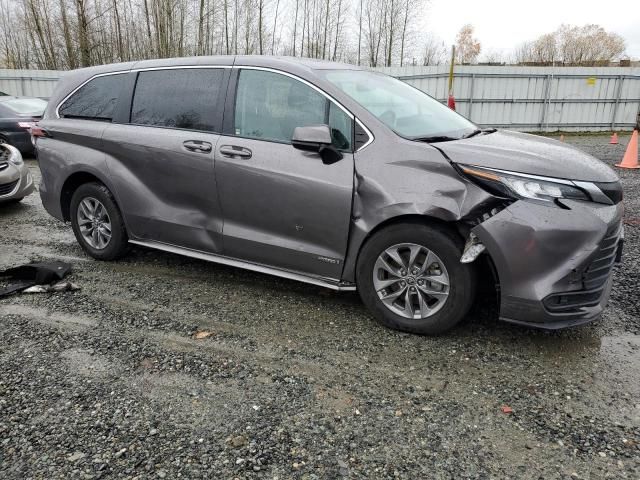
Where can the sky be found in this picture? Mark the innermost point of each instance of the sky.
(500, 25)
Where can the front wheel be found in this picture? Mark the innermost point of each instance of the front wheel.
(411, 278)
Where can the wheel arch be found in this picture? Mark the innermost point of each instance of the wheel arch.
(360, 238)
(73, 182)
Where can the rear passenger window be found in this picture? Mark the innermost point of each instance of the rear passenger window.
(95, 100)
(178, 98)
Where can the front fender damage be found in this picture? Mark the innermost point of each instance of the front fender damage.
(411, 188)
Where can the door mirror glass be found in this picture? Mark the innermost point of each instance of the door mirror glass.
(316, 138)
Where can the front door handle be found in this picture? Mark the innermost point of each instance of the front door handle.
(234, 151)
(198, 146)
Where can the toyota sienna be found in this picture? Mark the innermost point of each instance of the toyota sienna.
(333, 175)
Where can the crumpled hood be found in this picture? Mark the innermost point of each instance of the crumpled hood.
(532, 154)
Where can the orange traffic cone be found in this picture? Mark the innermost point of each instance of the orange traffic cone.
(630, 159)
(614, 139)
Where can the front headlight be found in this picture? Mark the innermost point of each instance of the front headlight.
(15, 156)
(521, 186)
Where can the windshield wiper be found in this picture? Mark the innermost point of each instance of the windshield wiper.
(473, 133)
(436, 138)
(478, 131)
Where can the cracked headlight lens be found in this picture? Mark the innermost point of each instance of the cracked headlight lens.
(520, 186)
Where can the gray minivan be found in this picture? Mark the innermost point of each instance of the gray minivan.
(332, 175)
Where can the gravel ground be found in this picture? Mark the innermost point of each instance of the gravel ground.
(295, 381)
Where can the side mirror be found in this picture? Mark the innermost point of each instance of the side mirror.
(316, 138)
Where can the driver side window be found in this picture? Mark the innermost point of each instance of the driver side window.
(269, 106)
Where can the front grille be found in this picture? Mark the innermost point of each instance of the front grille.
(7, 188)
(3, 165)
(597, 273)
(594, 278)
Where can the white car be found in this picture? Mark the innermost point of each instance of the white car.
(16, 181)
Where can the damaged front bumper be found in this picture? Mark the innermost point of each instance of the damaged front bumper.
(554, 264)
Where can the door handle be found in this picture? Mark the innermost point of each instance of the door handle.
(198, 146)
(234, 151)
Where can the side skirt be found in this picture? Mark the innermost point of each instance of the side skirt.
(256, 267)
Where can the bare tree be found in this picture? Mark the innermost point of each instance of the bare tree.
(571, 45)
(63, 34)
(492, 57)
(434, 51)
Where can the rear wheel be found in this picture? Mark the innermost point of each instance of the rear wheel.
(97, 222)
(411, 278)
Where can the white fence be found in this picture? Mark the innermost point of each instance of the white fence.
(31, 83)
(522, 98)
(536, 98)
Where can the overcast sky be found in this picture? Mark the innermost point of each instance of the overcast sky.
(502, 24)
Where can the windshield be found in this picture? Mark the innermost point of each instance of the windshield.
(406, 110)
(23, 106)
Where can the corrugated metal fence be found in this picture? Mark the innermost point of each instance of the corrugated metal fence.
(523, 98)
(536, 98)
(32, 83)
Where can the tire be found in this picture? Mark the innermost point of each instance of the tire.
(404, 238)
(118, 242)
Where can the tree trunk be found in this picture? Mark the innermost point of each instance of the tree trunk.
(68, 44)
(391, 33)
(360, 31)
(260, 20)
(275, 25)
(118, 31)
(200, 44)
(235, 27)
(295, 27)
(83, 33)
(335, 44)
(404, 31)
(148, 22)
(326, 28)
(226, 27)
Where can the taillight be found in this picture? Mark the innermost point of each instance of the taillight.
(37, 132)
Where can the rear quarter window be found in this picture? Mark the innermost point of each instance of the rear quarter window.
(178, 98)
(95, 100)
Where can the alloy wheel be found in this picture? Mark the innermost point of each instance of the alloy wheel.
(411, 280)
(94, 223)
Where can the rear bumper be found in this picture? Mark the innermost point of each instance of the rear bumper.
(48, 194)
(554, 265)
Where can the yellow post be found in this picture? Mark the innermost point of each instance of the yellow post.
(451, 102)
(453, 59)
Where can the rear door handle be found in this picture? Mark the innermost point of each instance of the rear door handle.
(198, 146)
(234, 151)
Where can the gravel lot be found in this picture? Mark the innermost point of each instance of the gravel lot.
(296, 381)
